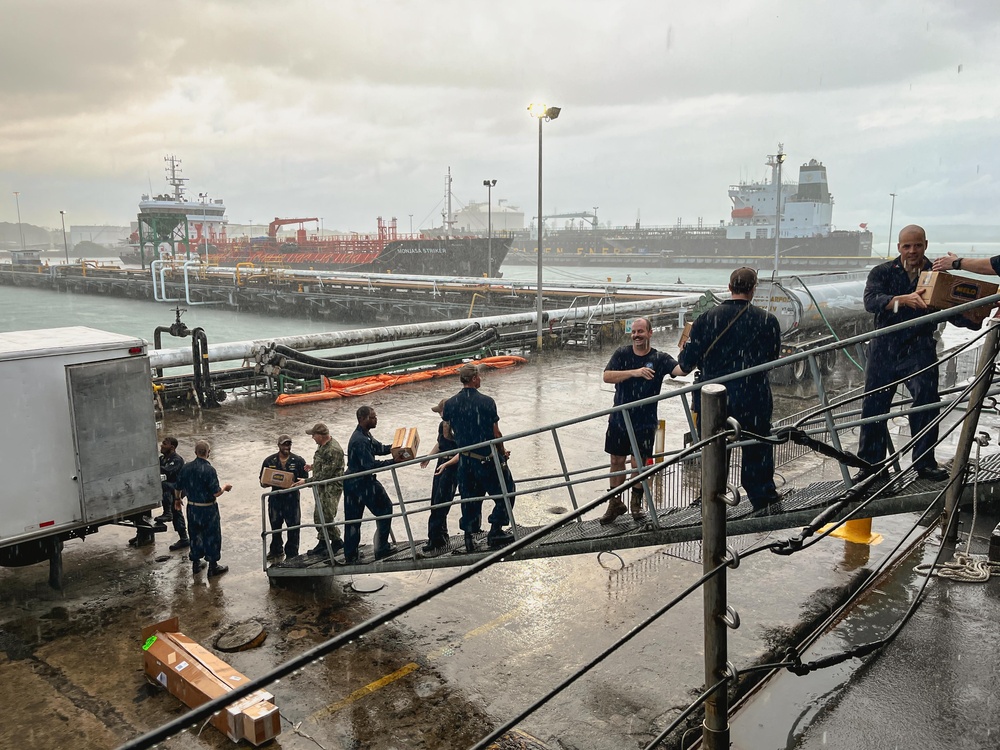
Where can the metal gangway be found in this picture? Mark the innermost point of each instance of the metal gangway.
(820, 507)
(671, 486)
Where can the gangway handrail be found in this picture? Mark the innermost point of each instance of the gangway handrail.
(490, 445)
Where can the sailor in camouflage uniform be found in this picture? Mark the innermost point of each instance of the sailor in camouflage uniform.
(328, 463)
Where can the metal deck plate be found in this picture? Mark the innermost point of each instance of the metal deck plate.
(744, 527)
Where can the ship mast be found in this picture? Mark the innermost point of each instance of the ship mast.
(174, 180)
(450, 220)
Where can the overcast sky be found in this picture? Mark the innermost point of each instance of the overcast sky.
(350, 110)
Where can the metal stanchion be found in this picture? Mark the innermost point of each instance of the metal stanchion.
(987, 361)
(714, 470)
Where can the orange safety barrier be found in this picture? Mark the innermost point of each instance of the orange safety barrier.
(371, 383)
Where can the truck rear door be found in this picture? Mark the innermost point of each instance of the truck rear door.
(114, 432)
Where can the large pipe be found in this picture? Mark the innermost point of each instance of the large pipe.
(493, 284)
(240, 350)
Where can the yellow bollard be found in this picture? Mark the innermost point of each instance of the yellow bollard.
(858, 530)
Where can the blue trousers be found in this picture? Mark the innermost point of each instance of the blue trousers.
(374, 497)
(284, 510)
(205, 528)
(442, 492)
(479, 479)
(884, 368)
(178, 515)
(757, 465)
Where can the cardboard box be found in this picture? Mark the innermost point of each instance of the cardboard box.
(942, 290)
(685, 335)
(277, 478)
(195, 675)
(405, 443)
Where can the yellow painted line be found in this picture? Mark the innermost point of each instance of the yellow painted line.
(475, 633)
(366, 690)
(413, 666)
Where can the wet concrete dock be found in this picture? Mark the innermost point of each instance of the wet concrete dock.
(933, 687)
(443, 675)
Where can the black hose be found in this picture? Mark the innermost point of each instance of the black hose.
(353, 359)
(399, 358)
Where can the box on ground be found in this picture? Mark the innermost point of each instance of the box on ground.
(405, 443)
(942, 290)
(278, 478)
(195, 675)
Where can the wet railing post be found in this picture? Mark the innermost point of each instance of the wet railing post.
(714, 471)
(565, 471)
(831, 425)
(987, 361)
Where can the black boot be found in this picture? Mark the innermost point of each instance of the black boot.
(180, 544)
(498, 537)
(214, 569)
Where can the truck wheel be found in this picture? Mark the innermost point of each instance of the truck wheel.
(800, 369)
(828, 362)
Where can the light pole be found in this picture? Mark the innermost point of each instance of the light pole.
(542, 112)
(20, 231)
(489, 226)
(595, 217)
(892, 210)
(779, 160)
(411, 225)
(204, 221)
(62, 216)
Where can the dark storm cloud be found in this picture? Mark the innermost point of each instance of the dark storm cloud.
(355, 109)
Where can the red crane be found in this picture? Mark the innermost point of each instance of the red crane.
(272, 228)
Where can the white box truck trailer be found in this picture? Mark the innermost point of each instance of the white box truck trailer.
(78, 440)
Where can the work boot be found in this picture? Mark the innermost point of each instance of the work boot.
(165, 517)
(636, 507)
(214, 569)
(197, 566)
(180, 544)
(142, 539)
(615, 508)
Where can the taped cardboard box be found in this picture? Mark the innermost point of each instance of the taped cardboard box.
(195, 675)
(278, 478)
(942, 290)
(685, 335)
(405, 443)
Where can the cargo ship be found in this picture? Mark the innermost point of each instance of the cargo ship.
(171, 226)
(807, 239)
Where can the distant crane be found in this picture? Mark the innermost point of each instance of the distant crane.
(592, 218)
(272, 228)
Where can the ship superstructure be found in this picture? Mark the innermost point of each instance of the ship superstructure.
(807, 240)
(171, 226)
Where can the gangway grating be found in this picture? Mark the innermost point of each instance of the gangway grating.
(797, 507)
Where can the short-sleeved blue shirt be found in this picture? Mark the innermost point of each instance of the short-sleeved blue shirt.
(471, 416)
(636, 389)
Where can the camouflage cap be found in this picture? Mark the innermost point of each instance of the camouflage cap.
(318, 429)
